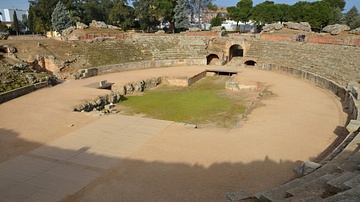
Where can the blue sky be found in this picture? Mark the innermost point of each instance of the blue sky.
(23, 4)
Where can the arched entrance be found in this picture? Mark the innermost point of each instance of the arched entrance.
(236, 51)
(250, 62)
(212, 59)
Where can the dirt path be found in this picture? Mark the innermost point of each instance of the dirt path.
(183, 164)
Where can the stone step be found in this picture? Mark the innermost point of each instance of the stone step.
(352, 163)
(340, 148)
(348, 195)
(343, 160)
(337, 184)
(315, 187)
(353, 182)
(236, 196)
(178, 54)
(280, 192)
(303, 198)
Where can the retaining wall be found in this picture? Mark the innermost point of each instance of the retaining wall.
(351, 41)
(103, 35)
(348, 95)
(149, 64)
(4, 97)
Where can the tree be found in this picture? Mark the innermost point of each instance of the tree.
(16, 24)
(60, 19)
(244, 9)
(234, 14)
(121, 14)
(167, 12)
(318, 14)
(356, 23)
(3, 27)
(89, 10)
(283, 12)
(181, 15)
(197, 7)
(337, 16)
(217, 21)
(24, 22)
(351, 17)
(212, 7)
(336, 3)
(268, 12)
(146, 12)
(42, 10)
(31, 20)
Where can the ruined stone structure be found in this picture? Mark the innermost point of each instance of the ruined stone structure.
(334, 67)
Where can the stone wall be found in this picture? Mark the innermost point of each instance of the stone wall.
(4, 97)
(149, 64)
(351, 41)
(196, 78)
(103, 35)
(328, 84)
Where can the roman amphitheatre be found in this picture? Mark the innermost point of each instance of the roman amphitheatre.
(302, 115)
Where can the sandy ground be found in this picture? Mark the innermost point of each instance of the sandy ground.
(183, 164)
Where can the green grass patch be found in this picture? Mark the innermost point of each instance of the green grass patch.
(204, 102)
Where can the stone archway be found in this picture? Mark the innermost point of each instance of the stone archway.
(212, 59)
(235, 51)
(250, 62)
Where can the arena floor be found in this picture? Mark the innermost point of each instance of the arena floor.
(89, 158)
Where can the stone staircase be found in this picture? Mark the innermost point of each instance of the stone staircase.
(335, 62)
(335, 180)
(187, 48)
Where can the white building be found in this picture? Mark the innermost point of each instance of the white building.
(230, 25)
(7, 15)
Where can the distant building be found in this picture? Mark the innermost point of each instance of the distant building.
(207, 14)
(7, 15)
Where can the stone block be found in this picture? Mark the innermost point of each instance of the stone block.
(353, 126)
(109, 106)
(102, 83)
(337, 184)
(120, 89)
(80, 25)
(306, 168)
(237, 196)
(353, 182)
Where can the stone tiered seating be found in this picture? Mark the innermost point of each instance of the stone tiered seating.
(308, 56)
(337, 179)
(189, 48)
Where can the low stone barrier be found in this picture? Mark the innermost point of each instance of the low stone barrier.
(349, 41)
(186, 81)
(104, 35)
(4, 97)
(196, 78)
(149, 64)
(85, 73)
